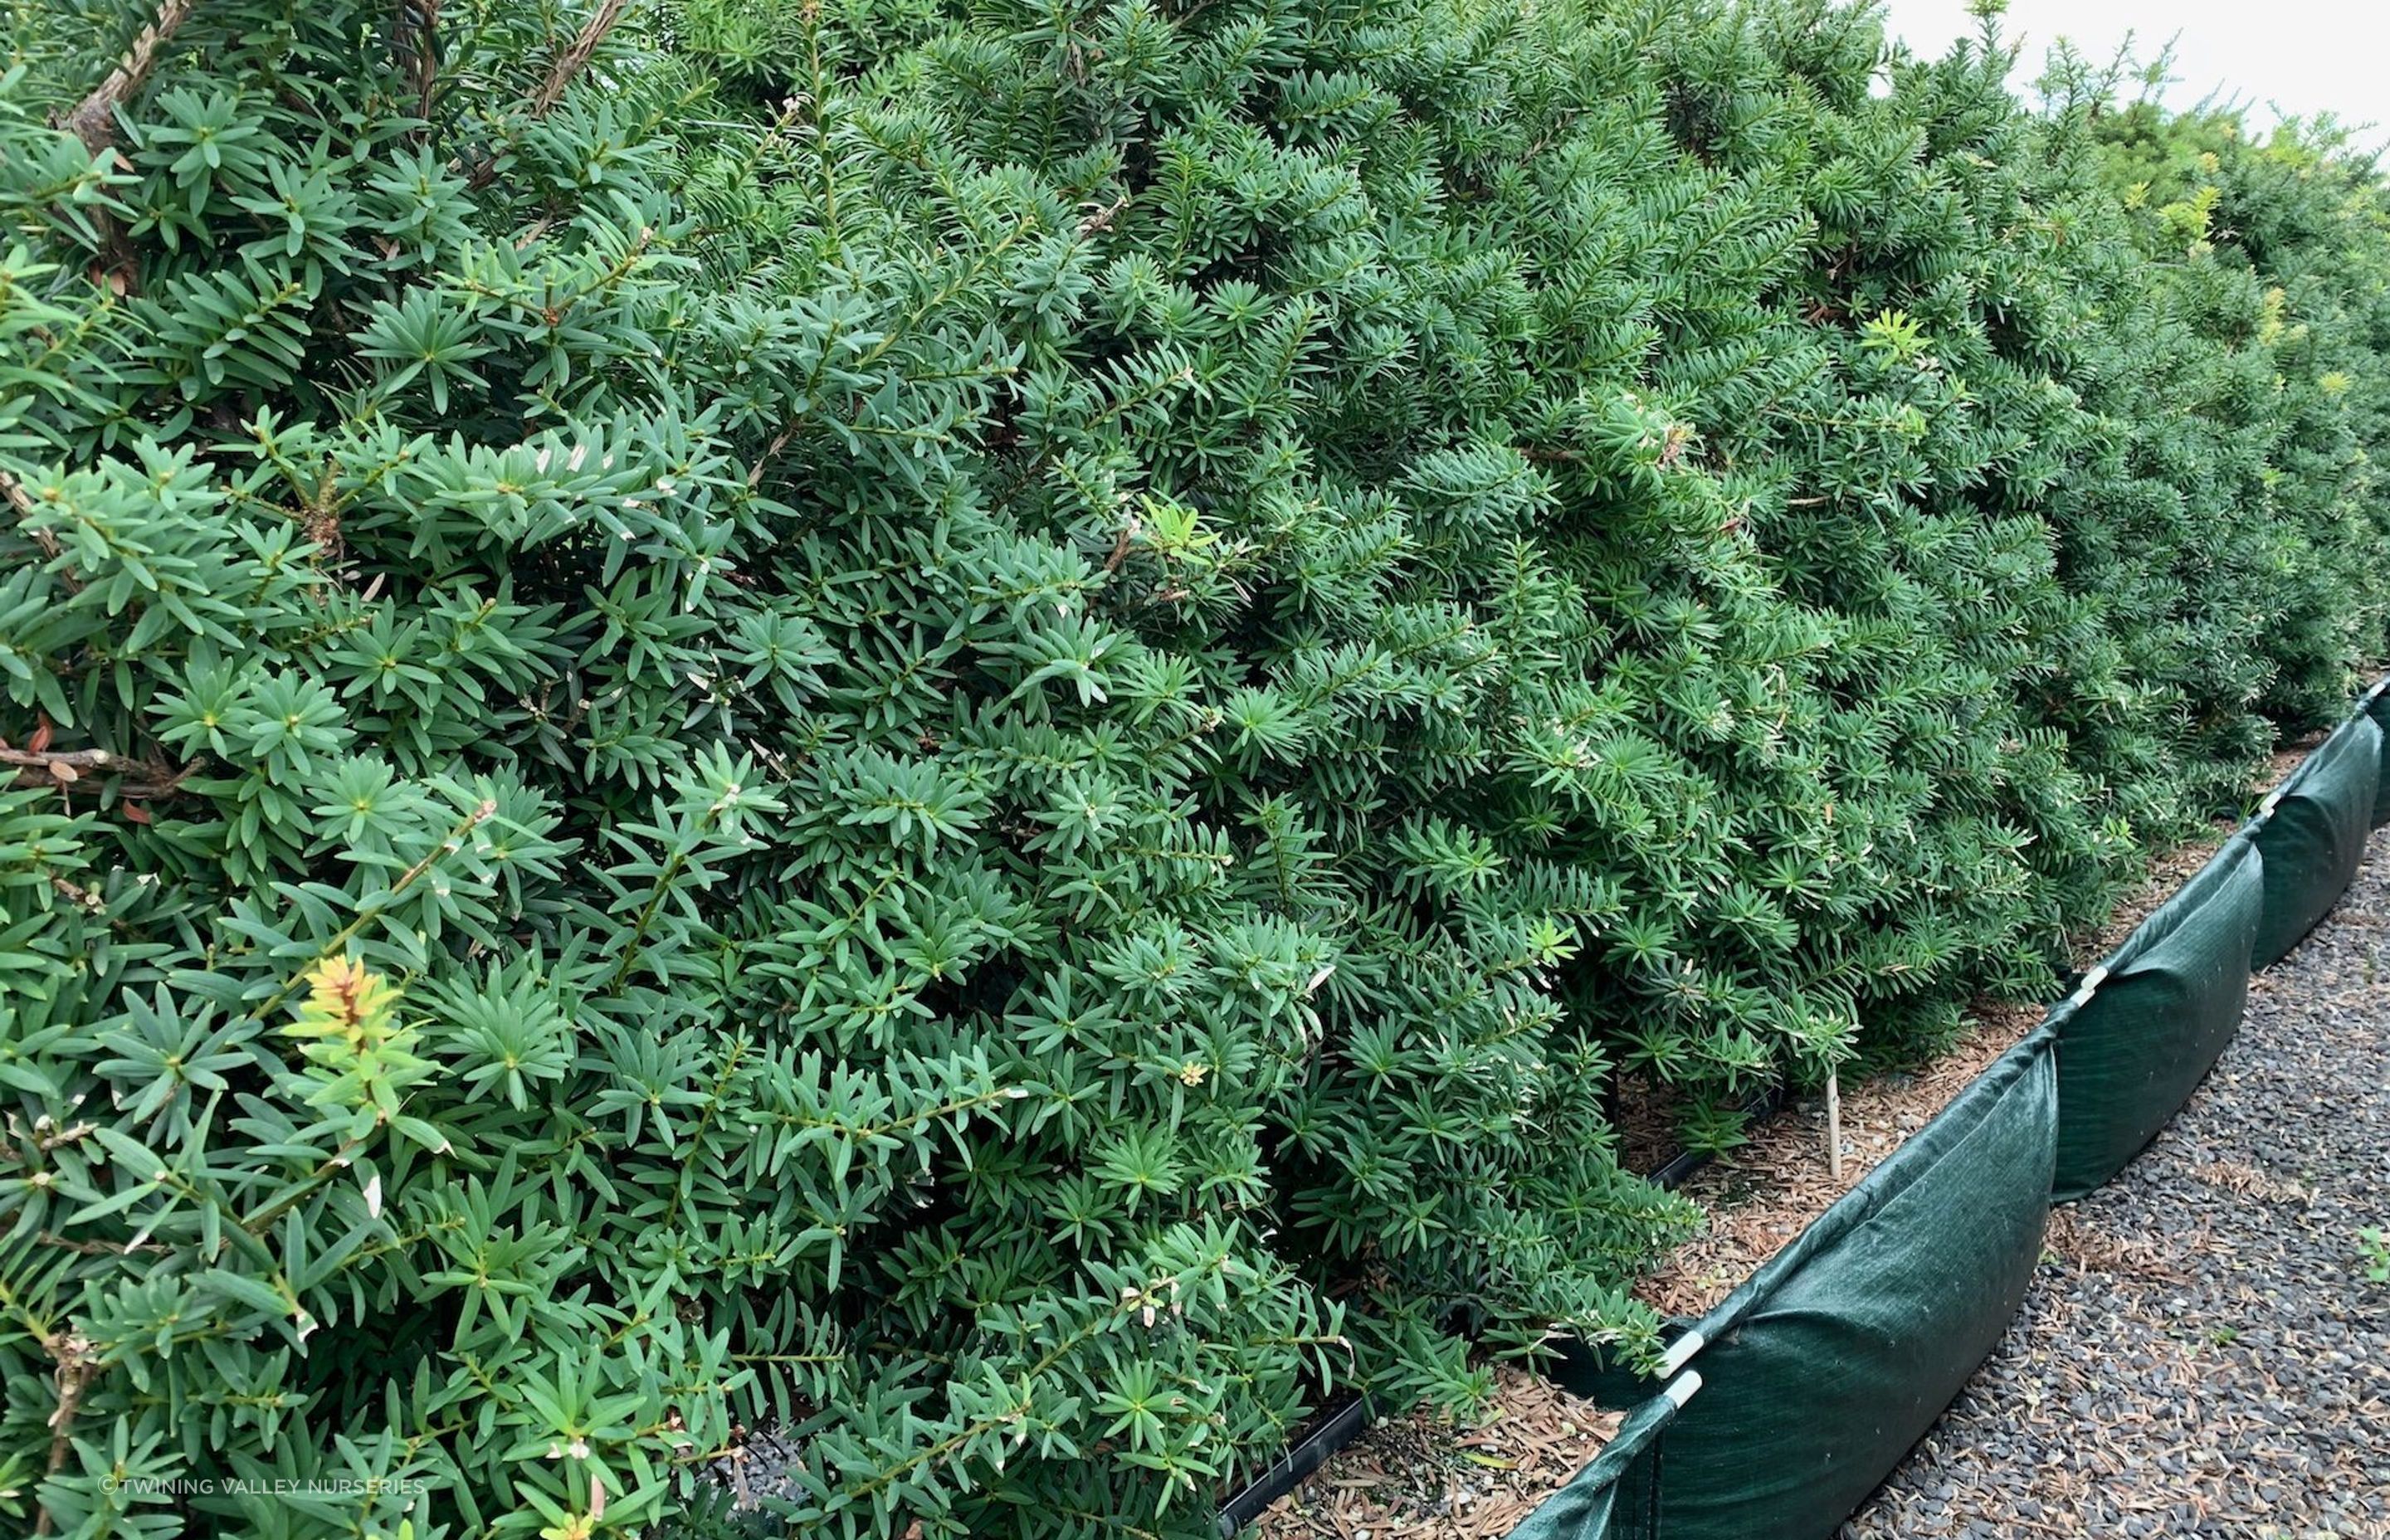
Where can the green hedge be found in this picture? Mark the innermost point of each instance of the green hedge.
(983, 729)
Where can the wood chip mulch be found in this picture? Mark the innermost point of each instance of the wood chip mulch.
(1421, 1475)
(1764, 1194)
(2168, 873)
(1647, 1120)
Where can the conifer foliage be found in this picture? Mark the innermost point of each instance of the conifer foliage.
(982, 730)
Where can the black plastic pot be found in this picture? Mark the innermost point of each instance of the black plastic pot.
(1328, 1433)
(1681, 1166)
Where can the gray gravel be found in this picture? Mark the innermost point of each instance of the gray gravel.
(2200, 1353)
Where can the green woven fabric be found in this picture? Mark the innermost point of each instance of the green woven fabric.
(1823, 1369)
(1616, 1496)
(2313, 836)
(2376, 705)
(2168, 1001)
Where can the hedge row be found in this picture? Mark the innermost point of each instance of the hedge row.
(984, 728)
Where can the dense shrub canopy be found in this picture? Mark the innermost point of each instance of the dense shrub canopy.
(2276, 247)
(985, 729)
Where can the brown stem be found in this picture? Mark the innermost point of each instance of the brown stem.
(1121, 545)
(104, 1248)
(570, 63)
(418, 31)
(92, 119)
(76, 1367)
(74, 761)
(560, 75)
(140, 779)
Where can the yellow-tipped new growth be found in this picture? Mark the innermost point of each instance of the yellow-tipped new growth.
(357, 1050)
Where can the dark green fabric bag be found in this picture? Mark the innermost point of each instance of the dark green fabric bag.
(2376, 704)
(1616, 1495)
(2150, 1021)
(1825, 1368)
(2311, 833)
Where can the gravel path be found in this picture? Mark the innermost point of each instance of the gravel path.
(2200, 1353)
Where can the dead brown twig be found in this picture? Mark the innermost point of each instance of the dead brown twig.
(779, 441)
(1100, 220)
(77, 1366)
(137, 779)
(22, 502)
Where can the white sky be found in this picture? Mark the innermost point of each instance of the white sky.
(2302, 57)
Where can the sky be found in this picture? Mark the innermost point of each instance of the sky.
(2302, 56)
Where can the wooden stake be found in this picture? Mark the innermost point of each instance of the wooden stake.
(1834, 1125)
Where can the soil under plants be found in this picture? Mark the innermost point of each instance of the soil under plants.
(1419, 1476)
(1764, 1194)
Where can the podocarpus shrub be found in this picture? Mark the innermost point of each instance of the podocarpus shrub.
(2276, 244)
(981, 731)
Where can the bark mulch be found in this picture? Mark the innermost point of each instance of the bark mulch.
(2201, 1354)
(1418, 1475)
